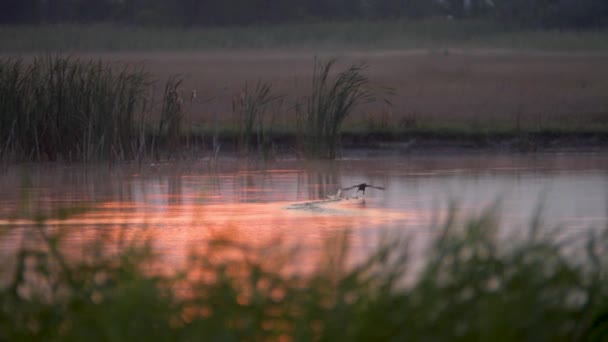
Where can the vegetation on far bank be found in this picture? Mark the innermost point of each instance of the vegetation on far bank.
(65, 108)
(187, 13)
(330, 36)
(471, 284)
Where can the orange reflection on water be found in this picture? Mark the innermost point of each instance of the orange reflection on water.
(178, 227)
(182, 206)
(175, 230)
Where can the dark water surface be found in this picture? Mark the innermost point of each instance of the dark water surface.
(181, 205)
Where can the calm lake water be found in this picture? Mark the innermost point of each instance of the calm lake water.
(181, 205)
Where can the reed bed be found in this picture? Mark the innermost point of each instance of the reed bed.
(471, 285)
(64, 108)
(61, 108)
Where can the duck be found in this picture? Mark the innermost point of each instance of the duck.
(361, 187)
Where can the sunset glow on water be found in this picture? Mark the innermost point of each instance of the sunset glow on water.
(181, 206)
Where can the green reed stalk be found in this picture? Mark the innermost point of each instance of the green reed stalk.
(331, 101)
(251, 108)
(171, 117)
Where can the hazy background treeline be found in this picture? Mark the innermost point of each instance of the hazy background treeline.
(191, 13)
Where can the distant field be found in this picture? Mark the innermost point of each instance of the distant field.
(451, 91)
(336, 36)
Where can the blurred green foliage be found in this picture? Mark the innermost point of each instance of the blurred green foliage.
(471, 285)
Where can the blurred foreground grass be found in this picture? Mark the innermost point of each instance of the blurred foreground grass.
(470, 286)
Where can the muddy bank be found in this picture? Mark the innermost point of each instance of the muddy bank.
(528, 142)
(435, 143)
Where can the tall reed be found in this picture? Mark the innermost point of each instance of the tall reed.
(63, 108)
(332, 100)
(255, 120)
(171, 116)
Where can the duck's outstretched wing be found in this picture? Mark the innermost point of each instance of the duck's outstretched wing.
(376, 187)
(352, 187)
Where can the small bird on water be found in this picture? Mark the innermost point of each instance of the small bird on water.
(362, 186)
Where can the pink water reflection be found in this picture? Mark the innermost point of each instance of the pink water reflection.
(181, 206)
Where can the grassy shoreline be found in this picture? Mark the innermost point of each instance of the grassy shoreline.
(427, 141)
(84, 108)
